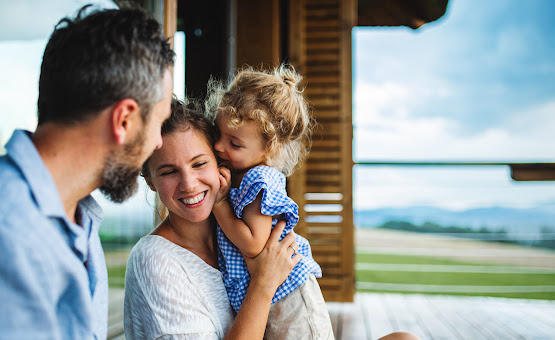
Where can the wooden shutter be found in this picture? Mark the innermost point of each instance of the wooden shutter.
(320, 46)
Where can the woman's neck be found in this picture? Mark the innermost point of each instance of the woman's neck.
(197, 237)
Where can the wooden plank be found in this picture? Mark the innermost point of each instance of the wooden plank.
(321, 3)
(472, 316)
(322, 230)
(353, 327)
(527, 317)
(405, 321)
(315, 177)
(313, 90)
(533, 172)
(326, 113)
(319, 166)
(335, 311)
(329, 281)
(326, 78)
(324, 56)
(315, 69)
(258, 33)
(376, 315)
(321, 241)
(321, 22)
(322, 12)
(435, 322)
(312, 34)
(326, 101)
(115, 312)
(170, 19)
(326, 260)
(319, 187)
(322, 45)
(326, 248)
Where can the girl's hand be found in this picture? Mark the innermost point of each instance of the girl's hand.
(225, 185)
(270, 268)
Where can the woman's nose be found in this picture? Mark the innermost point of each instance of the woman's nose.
(188, 182)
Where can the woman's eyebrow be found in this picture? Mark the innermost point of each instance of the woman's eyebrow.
(197, 156)
(164, 166)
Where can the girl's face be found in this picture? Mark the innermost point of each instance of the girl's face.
(184, 172)
(243, 147)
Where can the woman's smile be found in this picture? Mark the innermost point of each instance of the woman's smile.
(195, 201)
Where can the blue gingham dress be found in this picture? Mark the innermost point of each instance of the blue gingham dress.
(274, 202)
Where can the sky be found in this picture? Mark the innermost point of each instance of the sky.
(476, 85)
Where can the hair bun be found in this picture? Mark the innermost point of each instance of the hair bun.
(289, 76)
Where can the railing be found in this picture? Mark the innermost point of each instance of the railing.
(416, 252)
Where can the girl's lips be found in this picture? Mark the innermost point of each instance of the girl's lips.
(194, 201)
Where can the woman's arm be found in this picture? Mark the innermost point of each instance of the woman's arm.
(249, 240)
(268, 271)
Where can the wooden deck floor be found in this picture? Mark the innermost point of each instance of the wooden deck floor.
(436, 317)
(431, 317)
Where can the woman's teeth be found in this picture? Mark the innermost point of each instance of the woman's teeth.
(193, 200)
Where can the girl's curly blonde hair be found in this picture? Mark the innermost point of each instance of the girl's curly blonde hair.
(276, 103)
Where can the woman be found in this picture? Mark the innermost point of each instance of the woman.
(173, 286)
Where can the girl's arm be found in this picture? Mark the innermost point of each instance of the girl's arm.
(248, 234)
(268, 271)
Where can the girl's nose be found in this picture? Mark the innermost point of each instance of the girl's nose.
(218, 145)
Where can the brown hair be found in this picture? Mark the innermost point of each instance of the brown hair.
(182, 118)
(273, 100)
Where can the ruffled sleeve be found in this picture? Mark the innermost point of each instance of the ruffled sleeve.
(274, 197)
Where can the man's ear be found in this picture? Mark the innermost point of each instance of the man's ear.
(126, 116)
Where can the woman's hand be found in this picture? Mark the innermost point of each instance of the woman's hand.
(272, 266)
(268, 271)
(225, 185)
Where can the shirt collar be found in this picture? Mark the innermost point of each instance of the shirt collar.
(25, 155)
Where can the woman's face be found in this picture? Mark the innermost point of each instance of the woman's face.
(184, 172)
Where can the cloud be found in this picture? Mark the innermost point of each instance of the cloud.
(484, 62)
(385, 130)
(35, 19)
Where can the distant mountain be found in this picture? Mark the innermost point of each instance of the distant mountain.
(512, 220)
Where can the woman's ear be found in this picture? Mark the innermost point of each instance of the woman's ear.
(149, 183)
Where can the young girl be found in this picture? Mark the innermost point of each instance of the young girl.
(264, 126)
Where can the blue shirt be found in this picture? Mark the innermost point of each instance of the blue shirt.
(274, 202)
(53, 278)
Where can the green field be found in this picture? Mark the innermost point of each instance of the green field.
(449, 278)
(116, 276)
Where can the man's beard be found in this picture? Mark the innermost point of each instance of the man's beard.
(119, 177)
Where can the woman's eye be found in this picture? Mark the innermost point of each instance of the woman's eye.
(169, 172)
(198, 165)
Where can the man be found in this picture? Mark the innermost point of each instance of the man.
(104, 90)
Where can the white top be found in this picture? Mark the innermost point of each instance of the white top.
(170, 293)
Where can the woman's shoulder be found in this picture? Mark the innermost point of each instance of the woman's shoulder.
(155, 254)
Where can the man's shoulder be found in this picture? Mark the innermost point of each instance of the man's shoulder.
(15, 192)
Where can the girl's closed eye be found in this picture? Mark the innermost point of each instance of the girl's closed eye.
(234, 145)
